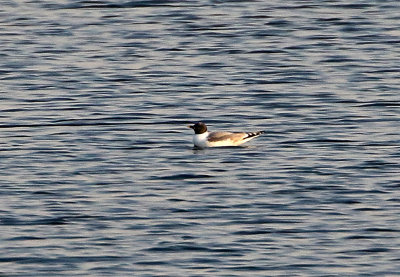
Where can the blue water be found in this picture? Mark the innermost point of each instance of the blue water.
(98, 173)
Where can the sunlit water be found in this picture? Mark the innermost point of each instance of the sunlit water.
(98, 173)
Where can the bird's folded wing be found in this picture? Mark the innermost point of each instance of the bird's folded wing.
(221, 136)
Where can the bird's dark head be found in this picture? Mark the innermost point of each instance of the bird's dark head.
(199, 128)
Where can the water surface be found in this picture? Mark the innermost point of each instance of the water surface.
(98, 173)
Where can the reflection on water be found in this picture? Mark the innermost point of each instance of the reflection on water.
(98, 172)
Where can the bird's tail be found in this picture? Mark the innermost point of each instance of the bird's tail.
(253, 134)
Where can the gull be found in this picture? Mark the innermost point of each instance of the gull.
(203, 139)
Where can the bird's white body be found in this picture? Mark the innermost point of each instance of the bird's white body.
(200, 140)
(215, 139)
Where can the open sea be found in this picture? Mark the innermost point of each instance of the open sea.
(98, 174)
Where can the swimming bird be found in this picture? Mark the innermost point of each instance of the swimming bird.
(203, 139)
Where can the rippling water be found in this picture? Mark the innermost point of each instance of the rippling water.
(98, 173)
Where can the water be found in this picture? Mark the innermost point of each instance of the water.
(98, 173)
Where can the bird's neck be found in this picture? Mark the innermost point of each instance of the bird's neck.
(202, 135)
